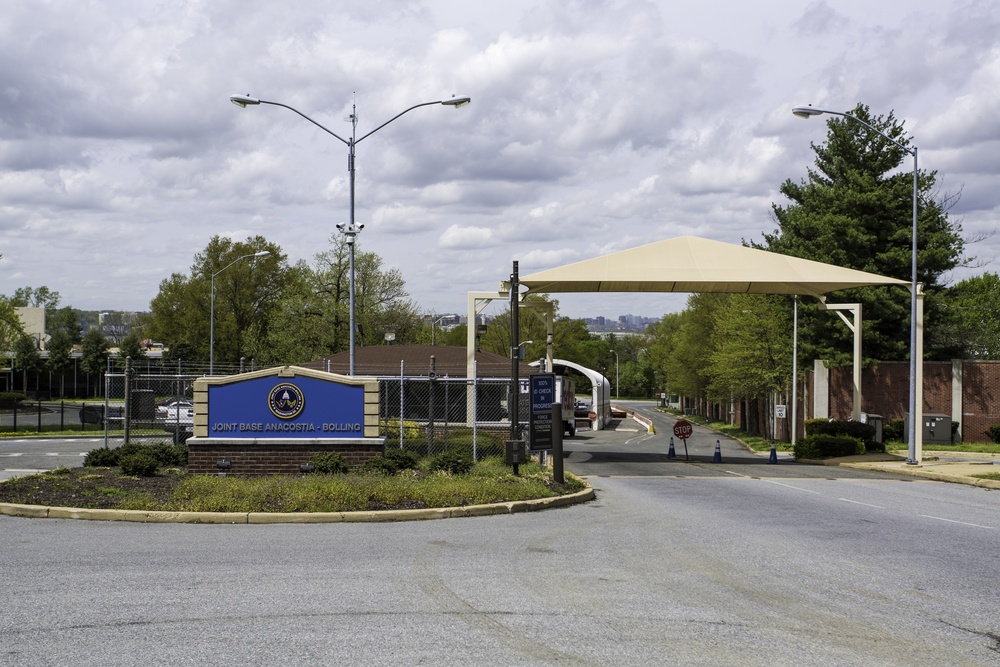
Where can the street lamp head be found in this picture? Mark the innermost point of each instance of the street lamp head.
(262, 253)
(457, 102)
(807, 112)
(243, 100)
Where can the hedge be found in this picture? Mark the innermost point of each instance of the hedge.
(828, 446)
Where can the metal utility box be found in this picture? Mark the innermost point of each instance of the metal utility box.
(876, 422)
(936, 429)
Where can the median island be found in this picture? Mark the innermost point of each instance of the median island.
(154, 478)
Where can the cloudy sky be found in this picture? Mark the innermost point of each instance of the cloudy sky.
(594, 127)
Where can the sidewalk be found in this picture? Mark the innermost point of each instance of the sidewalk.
(957, 467)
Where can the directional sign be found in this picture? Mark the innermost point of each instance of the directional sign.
(683, 429)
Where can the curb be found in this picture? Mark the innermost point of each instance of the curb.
(143, 516)
(909, 472)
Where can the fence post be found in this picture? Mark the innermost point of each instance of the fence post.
(402, 387)
(430, 410)
(127, 414)
(475, 413)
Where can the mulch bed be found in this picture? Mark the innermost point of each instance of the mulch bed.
(85, 487)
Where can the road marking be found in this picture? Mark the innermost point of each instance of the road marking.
(858, 502)
(964, 523)
(793, 487)
(730, 472)
(12, 455)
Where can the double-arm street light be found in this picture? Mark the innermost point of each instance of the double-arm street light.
(913, 455)
(350, 230)
(211, 326)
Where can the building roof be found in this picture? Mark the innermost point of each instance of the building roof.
(384, 360)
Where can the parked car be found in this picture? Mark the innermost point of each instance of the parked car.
(166, 407)
(178, 419)
(93, 413)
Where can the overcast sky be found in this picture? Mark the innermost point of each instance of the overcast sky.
(594, 127)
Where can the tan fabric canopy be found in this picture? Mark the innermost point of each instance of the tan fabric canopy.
(692, 264)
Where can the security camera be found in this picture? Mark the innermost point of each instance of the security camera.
(360, 227)
(340, 226)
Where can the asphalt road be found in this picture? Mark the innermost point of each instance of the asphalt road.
(682, 563)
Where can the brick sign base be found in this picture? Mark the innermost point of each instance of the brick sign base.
(273, 457)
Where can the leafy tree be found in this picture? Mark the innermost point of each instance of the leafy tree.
(131, 346)
(974, 311)
(11, 329)
(35, 297)
(26, 357)
(94, 352)
(247, 293)
(751, 353)
(855, 210)
(60, 348)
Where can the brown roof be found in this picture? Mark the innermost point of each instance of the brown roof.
(384, 360)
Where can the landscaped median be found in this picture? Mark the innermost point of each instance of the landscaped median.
(396, 488)
(43, 512)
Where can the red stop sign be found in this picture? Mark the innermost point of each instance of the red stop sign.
(683, 429)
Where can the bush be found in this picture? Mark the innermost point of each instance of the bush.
(8, 399)
(390, 429)
(994, 433)
(892, 430)
(102, 457)
(403, 458)
(139, 465)
(380, 465)
(453, 461)
(162, 454)
(828, 446)
(488, 444)
(329, 463)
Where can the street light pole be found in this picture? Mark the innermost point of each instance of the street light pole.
(617, 386)
(915, 444)
(211, 326)
(351, 230)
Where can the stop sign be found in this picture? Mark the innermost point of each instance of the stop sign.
(683, 429)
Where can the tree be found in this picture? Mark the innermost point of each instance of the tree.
(131, 346)
(26, 357)
(854, 210)
(35, 297)
(974, 310)
(11, 329)
(94, 353)
(247, 294)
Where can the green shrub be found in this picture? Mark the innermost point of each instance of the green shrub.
(390, 429)
(167, 455)
(994, 433)
(403, 458)
(828, 446)
(892, 430)
(487, 444)
(139, 465)
(453, 461)
(380, 465)
(8, 399)
(102, 457)
(329, 463)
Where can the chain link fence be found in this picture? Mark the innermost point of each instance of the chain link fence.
(427, 415)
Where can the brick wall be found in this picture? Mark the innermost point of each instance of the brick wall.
(270, 458)
(885, 391)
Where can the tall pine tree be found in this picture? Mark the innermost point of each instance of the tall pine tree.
(855, 210)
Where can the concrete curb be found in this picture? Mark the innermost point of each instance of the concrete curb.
(898, 465)
(142, 516)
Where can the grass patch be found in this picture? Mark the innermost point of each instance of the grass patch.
(988, 475)
(489, 481)
(972, 447)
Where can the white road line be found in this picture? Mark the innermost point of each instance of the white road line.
(793, 487)
(12, 455)
(730, 472)
(858, 502)
(964, 523)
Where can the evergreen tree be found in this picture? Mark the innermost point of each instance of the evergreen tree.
(855, 210)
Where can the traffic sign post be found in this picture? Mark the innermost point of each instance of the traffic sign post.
(683, 430)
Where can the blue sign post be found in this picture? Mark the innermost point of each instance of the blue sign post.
(543, 395)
